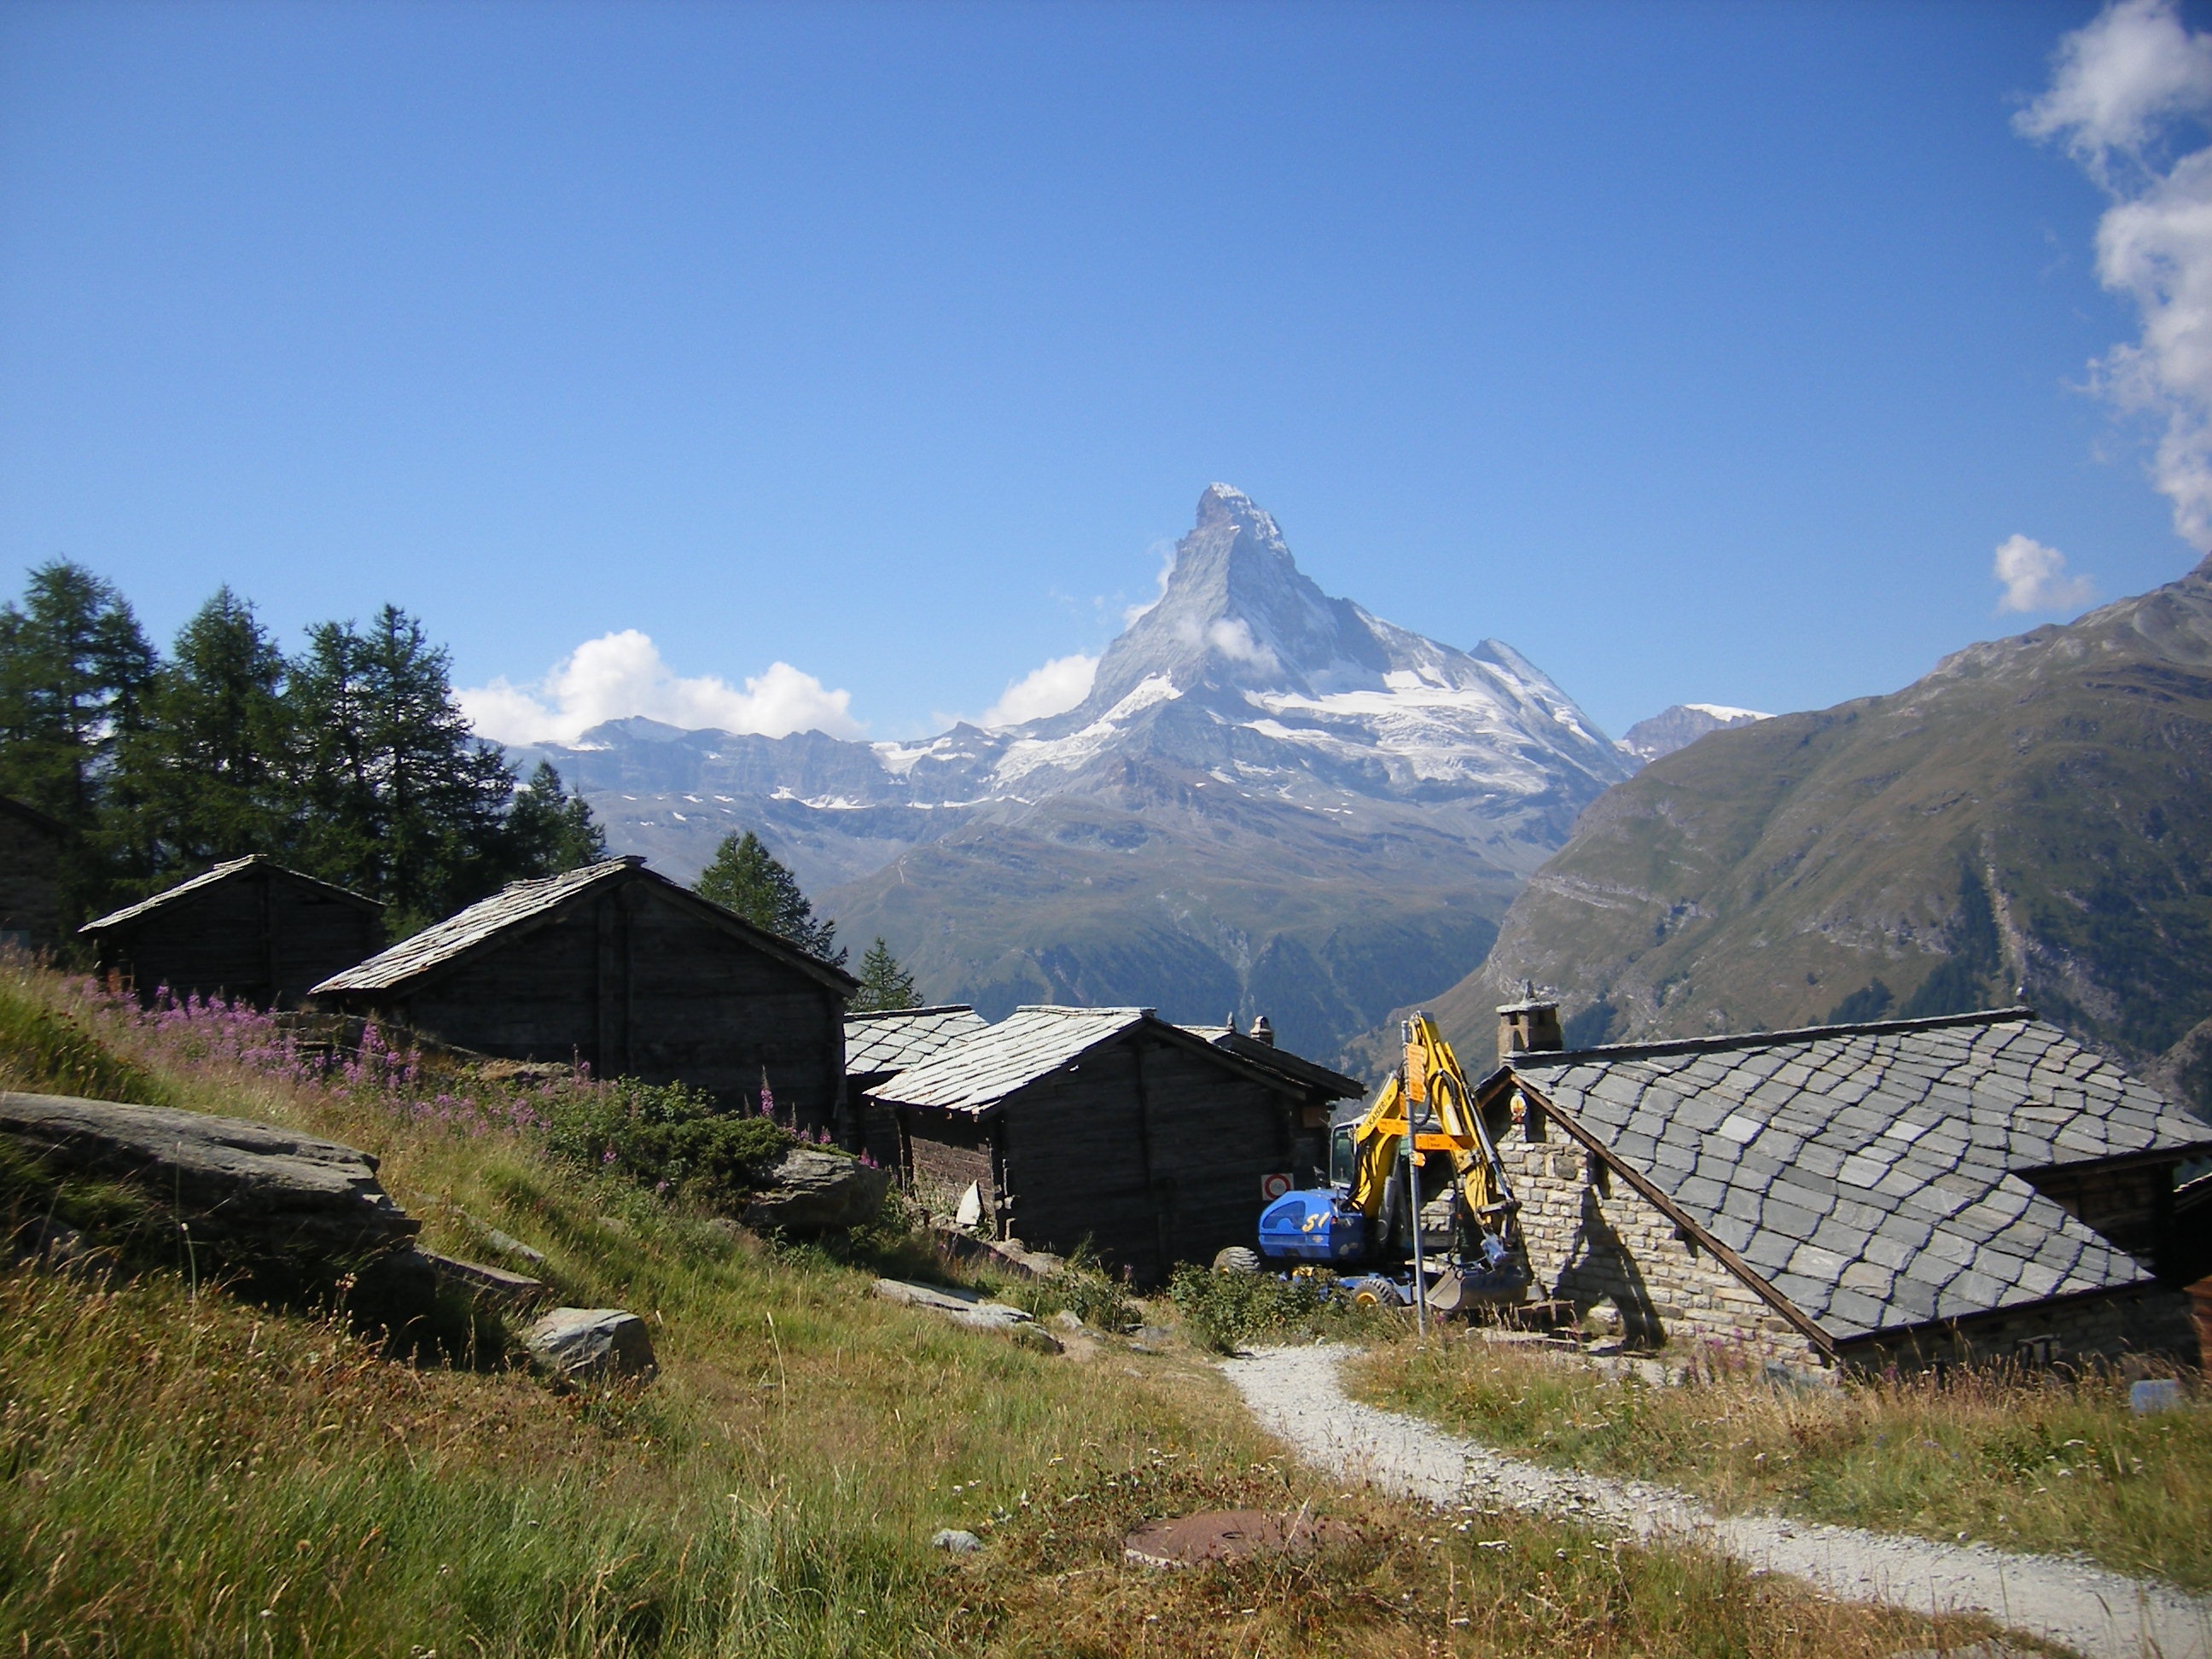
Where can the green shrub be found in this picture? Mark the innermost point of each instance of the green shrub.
(666, 1137)
(1226, 1309)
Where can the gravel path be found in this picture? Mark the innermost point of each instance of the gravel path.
(1296, 1394)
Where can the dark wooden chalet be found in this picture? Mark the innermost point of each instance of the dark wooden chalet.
(1320, 1089)
(880, 1044)
(621, 968)
(248, 929)
(1108, 1125)
(31, 846)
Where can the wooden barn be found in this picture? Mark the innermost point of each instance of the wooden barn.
(621, 968)
(31, 846)
(1320, 1089)
(880, 1044)
(1108, 1125)
(248, 929)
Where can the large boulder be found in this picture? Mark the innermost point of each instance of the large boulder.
(256, 1195)
(588, 1344)
(817, 1190)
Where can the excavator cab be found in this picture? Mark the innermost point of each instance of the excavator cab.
(1343, 1155)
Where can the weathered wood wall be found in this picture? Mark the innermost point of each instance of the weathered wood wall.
(636, 983)
(2132, 1205)
(1153, 1152)
(257, 936)
(30, 884)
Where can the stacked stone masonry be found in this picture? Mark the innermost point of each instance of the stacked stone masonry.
(1594, 1243)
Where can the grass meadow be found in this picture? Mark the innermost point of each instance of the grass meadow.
(183, 1472)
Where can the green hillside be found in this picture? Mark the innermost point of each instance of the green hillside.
(2034, 818)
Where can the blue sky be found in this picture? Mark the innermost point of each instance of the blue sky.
(1704, 353)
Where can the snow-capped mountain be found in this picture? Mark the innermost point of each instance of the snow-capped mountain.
(1258, 767)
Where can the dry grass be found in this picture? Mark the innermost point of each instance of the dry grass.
(183, 1475)
(2033, 1462)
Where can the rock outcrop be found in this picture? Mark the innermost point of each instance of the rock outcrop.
(253, 1194)
(591, 1344)
(815, 1190)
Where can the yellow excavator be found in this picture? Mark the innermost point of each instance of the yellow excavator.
(1422, 1137)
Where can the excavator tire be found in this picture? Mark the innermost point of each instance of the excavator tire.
(1236, 1259)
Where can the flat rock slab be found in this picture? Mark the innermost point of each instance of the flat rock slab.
(588, 1344)
(269, 1190)
(487, 1284)
(815, 1190)
(969, 1308)
(1227, 1535)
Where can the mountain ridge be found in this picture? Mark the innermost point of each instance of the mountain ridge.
(2033, 818)
(1245, 727)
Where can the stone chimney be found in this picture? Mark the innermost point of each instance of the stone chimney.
(1262, 1032)
(1529, 1026)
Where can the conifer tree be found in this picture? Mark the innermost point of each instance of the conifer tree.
(884, 984)
(74, 673)
(551, 830)
(404, 802)
(745, 878)
(205, 776)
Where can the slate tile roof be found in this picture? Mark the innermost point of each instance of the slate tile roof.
(891, 1040)
(522, 903)
(981, 1070)
(221, 872)
(1872, 1174)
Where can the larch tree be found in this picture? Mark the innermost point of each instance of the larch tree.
(884, 984)
(745, 878)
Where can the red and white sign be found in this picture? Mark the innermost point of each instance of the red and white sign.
(1273, 1187)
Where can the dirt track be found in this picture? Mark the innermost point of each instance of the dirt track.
(1295, 1393)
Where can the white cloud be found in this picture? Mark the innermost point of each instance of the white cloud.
(2119, 85)
(2035, 579)
(1166, 552)
(620, 675)
(1052, 690)
(1232, 638)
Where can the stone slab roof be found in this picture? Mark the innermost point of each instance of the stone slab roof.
(1334, 1085)
(1872, 1175)
(522, 904)
(983, 1068)
(891, 1040)
(221, 873)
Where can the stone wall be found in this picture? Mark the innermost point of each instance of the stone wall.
(1597, 1244)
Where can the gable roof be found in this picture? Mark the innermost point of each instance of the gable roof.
(216, 877)
(1871, 1175)
(522, 906)
(884, 1040)
(27, 813)
(982, 1069)
(1334, 1085)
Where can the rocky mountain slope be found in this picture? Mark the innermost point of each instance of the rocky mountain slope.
(1680, 727)
(2033, 819)
(1270, 801)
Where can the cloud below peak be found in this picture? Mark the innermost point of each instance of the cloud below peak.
(621, 675)
(2035, 579)
(1054, 688)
